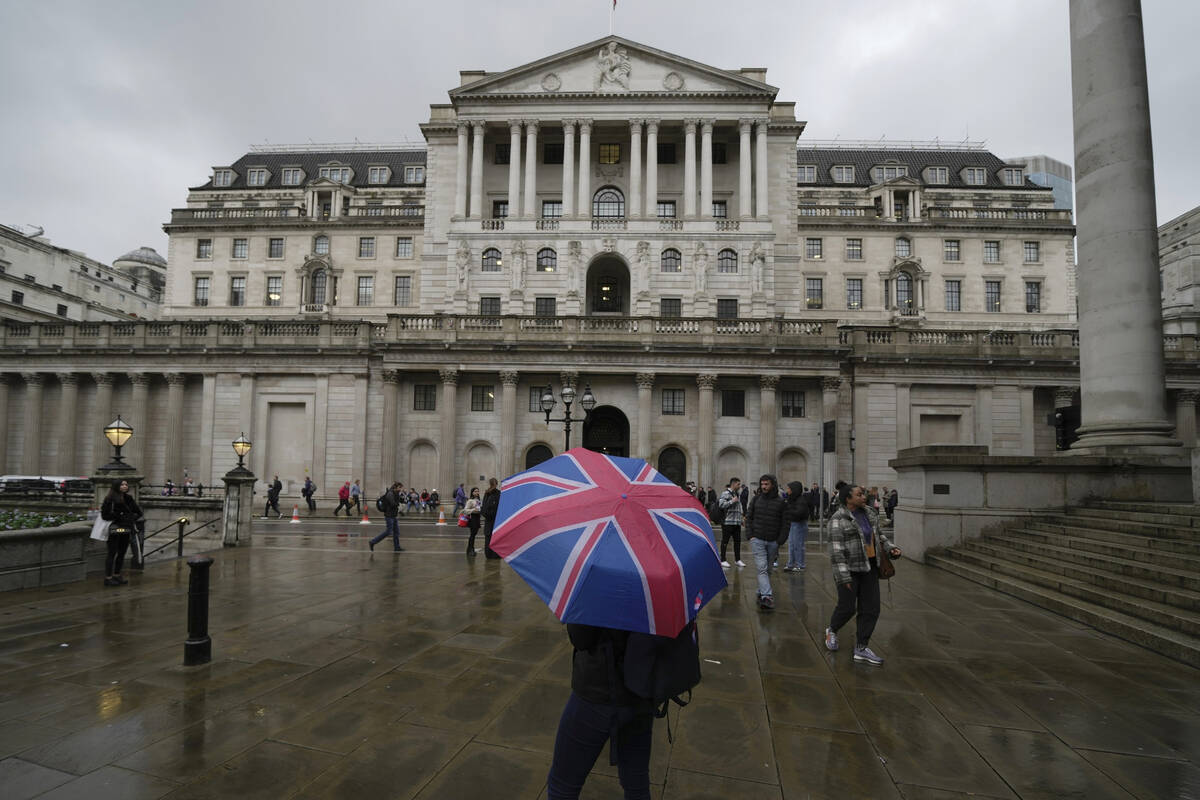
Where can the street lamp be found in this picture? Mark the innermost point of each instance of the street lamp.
(241, 446)
(118, 432)
(588, 401)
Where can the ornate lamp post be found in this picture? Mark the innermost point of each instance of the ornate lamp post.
(588, 401)
(241, 446)
(118, 433)
(239, 497)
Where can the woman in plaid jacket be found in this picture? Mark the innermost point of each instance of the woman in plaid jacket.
(855, 538)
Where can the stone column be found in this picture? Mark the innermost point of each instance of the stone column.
(903, 415)
(448, 451)
(652, 168)
(689, 168)
(568, 174)
(508, 421)
(514, 170)
(585, 170)
(67, 404)
(706, 130)
(173, 455)
(1185, 416)
(4, 415)
(645, 386)
(983, 416)
(767, 421)
(704, 437)
(760, 174)
(860, 433)
(1028, 443)
(829, 410)
(138, 420)
(635, 168)
(102, 414)
(531, 132)
(460, 177)
(1120, 316)
(32, 451)
(476, 209)
(745, 206)
(388, 433)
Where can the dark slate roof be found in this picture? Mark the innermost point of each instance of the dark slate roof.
(916, 160)
(358, 160)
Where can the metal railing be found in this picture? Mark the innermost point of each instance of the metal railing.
(180, 535)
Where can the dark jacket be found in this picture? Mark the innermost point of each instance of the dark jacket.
(273, 492)
(796, 508)
(123, 512)
(391, 503)
(491, 504)
(764, 518)
(596, 675)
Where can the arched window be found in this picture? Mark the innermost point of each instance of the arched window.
(727, 260)
(491, 260)
(608, 203)
(547, 260)
(536, 455)
(321, 245)
(672, 464)
(904, 294)
(903, 247)
(317, 283)
(671, 260)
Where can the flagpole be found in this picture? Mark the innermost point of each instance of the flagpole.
(612, 13)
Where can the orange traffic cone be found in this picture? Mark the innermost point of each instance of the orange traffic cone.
(365, 521)
(441, 518)
(296, 515)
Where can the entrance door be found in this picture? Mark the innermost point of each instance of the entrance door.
(607, 431)
(672, 463)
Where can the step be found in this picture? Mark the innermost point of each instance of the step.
(1170, 617)
(1145, 588)
(1130, 549)
(1179, 509)
(1155, 543)
(1161, 519)
(1172, 644)
(1136, 527)
(1179, 571)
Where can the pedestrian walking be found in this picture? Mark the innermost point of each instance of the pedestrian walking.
(123, 512)
(307, 493)
(389, 504)
(766, 527)
(490, 506)
(356, 497)
(273, 498)
(343, 499)
(460, 498)
(796, 512)
(730, 502)
(474, 511)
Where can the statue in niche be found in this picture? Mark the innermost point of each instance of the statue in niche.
(574, 256)
(642, 262)
(463, 261)
(614, 68)
(701, 260)
(758, 266)
(518, 264)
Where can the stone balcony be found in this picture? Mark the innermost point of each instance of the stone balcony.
(292, 216)
(648, 227)
(932, 215)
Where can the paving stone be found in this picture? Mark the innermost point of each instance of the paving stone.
(20, 779)
(111, 783)
(1038, 765)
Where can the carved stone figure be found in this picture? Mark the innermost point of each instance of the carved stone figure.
(463, 260)
(701, 261)
(574, 256)
(518, 264)
(758, 266)
(642, 267)
(613, 68)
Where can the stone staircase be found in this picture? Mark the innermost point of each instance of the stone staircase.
(1129, 569)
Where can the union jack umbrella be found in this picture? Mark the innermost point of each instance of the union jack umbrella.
(609, 541)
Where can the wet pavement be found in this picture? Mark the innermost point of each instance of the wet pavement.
(338, 672)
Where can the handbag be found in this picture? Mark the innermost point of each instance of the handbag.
(886, 568)
(100, 529)
(462, 520)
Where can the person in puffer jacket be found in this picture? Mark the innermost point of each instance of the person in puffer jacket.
(767, 526)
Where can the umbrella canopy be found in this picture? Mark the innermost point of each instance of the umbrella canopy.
(609, 541)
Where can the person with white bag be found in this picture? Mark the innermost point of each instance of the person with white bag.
(122, 513)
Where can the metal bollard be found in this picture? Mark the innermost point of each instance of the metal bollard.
(179, 543)
(198, 647)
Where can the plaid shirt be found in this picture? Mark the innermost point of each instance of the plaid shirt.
(847, 551)
(733, 507)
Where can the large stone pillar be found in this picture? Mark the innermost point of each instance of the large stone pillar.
(173, 451)
(903, 416)
(514, 170)
(1185, 416)
(32, 450)
(635, 168)
(1120, 319)
(706, 157)
(67, 406)
(860, 434)
(585, 169)
(4, 415)
(983, 416)
(761, 169)
(645, 386)
(508, 421)
(388, 433)
(652, 168)
(102, 414)
(830, 386)
(568, 169)
(460, 177)
(448, 447)
(531, 132)
(477, 171)
(1028, 424)
(745, 204)
(704, 437)
(689, 168)
(767, 421)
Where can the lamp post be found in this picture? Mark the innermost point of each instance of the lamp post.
(588, 401)
(118, 433)
(239, 497)
(241, 446)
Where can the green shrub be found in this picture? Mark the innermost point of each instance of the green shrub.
(16, 519)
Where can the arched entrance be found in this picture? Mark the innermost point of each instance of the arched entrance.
(607, 431)
(608, 286)
(536, 455)
(672, 464)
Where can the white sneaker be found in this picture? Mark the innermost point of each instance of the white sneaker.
(741, 563)
(725, 564)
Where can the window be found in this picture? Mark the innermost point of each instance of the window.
(204, 248)
(491, 260)
(904, 294)
(489, 306)
(547, 260)
(975, 176)
(813, 248)
(321, 245)
(843, 174)
(1013, 176)
(952, 250)
(200, 292)
(733, 403)
(404, 247)
(889, 172)
(275, 247)
(608, 202)
(854, 251)
(552, 153)
(666, 152)
(806, 173)
(237, 291)
(402, 294)
(814, 293)
(672, 402)
(551, 209)
(903, 248)
(274, 290)
(292, 177)
(671, 260)
(240, 248)
(727, 260)
(671, 307)
(545, 307)
(378, 175)
(483, 397)
(991, 296)
(499, 209)
(610, 154)
(56, 287)
(954, 295)
(18, 298)
(1033, 252)
(366, 247)
(340, 174)
(223, 177)
(414, 174)
(854, 298)
(791, 403)
(256, 177)
(1033, 297)
(727, 308)
(939, 175)
(991, 252)
(535, 399)
(366, 291)
(317, 284)
(666, 209)
(424, 397)
(62, 310)
(720, 209)
(502, 154)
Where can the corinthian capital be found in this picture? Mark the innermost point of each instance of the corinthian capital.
(768, 381)
(645, 380)
(831, 383)
(509, 377)
(706, 381)
(449, 376)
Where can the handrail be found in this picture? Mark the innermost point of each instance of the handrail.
(179, 539)
(164, 527)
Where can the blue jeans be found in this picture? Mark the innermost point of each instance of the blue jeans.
(765, 554)
(796, 540)
(582, 732)
(390, 526)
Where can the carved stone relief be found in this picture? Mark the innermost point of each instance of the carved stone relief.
(551, 83)
(613, 68)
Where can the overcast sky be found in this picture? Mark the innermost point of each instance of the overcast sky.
(113, 108)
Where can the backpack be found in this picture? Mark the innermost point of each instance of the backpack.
(379, 502)
(661, 669)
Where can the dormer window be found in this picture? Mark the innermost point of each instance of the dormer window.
(378, 175)
(223, 177)
(939, 175)
(292, 176)
(889, 172)
(414, 174)
(339, 174)
(806, 173)
(975, 176)
(1014, 176)
(843, 174)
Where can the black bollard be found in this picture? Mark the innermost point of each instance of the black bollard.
(198, 647)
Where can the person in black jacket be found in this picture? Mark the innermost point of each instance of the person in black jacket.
(766, 526)
(123, 512)
(796, 511)
(273, 498)
(489, 508)
(391, 507)
(601, 707)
